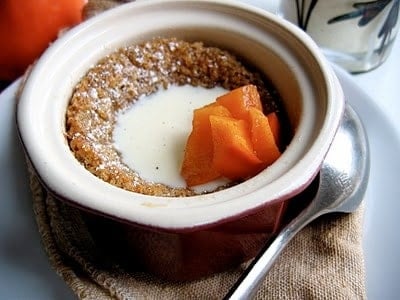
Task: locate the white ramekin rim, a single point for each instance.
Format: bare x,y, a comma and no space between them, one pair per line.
43,138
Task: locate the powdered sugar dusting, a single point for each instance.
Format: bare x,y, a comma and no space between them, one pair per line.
121,78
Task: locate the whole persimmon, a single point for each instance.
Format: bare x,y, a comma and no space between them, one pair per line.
27,27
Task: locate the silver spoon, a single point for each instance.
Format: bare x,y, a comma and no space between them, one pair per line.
342,185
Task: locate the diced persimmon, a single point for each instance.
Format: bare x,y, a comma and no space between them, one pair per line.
275,126
197,167
238,101
232,138
233,157
201,116
262,137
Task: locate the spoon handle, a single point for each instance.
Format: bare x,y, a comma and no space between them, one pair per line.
252,278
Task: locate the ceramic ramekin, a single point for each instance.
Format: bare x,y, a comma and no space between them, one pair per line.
229,224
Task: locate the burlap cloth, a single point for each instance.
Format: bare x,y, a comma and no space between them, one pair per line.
324,261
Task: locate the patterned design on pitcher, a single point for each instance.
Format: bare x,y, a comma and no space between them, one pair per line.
368,11
304,12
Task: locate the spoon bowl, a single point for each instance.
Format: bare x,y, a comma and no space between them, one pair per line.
342,184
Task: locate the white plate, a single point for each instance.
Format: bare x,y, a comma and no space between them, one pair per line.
25,271
381,236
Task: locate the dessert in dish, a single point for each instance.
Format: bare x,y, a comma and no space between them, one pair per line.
143,78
